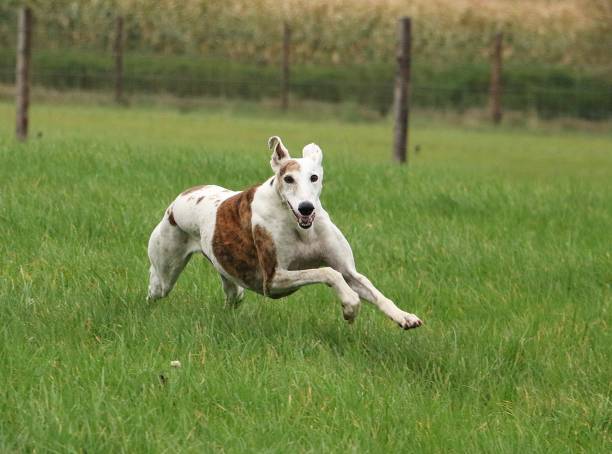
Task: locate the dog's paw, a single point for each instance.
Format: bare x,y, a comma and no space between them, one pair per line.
350,307
151,297
350,311
234,300
408,321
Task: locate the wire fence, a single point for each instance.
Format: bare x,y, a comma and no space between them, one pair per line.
547,90
339,84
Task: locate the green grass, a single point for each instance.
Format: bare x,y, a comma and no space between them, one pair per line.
499,239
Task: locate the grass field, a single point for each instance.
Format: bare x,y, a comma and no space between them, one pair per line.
500,240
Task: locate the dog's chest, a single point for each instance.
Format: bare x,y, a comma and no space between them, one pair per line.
299,252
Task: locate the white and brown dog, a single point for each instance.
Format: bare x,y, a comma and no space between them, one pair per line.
272,238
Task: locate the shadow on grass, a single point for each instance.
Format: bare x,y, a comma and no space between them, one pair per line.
295,332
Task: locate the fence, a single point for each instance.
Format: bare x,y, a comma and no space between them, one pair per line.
549,91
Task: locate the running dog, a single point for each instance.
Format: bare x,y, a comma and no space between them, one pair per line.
272,239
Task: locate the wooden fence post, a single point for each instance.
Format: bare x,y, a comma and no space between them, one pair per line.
22,82
118,54
401,96
495,89
286,52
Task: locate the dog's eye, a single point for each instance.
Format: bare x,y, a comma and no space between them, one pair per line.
288,179
314,178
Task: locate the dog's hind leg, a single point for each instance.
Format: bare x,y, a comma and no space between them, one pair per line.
169,250
233,292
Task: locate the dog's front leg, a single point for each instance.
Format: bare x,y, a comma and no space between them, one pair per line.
368,292
288,280
339,256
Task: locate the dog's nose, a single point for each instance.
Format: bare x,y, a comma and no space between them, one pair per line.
305,208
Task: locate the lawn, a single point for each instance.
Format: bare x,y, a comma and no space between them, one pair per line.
499,239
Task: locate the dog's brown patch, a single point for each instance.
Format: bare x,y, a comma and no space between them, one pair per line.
266,252
190,190
171,218
233,242
289,166
280,150
199,199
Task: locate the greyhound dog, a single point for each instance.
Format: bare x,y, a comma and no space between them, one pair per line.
272,239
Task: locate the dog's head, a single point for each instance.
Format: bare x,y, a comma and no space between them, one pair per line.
298,181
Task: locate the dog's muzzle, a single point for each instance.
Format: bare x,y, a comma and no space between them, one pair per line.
304,221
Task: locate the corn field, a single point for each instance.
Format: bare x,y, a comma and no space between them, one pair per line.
566,32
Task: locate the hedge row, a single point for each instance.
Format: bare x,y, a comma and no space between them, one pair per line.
550,91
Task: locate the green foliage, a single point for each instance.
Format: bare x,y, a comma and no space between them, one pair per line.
556,54
499,239
549,91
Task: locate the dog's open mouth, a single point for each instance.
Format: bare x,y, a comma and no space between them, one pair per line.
304,222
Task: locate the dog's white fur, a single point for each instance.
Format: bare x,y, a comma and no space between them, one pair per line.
308,249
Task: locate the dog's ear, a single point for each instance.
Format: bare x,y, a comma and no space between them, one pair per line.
279,152
312,151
